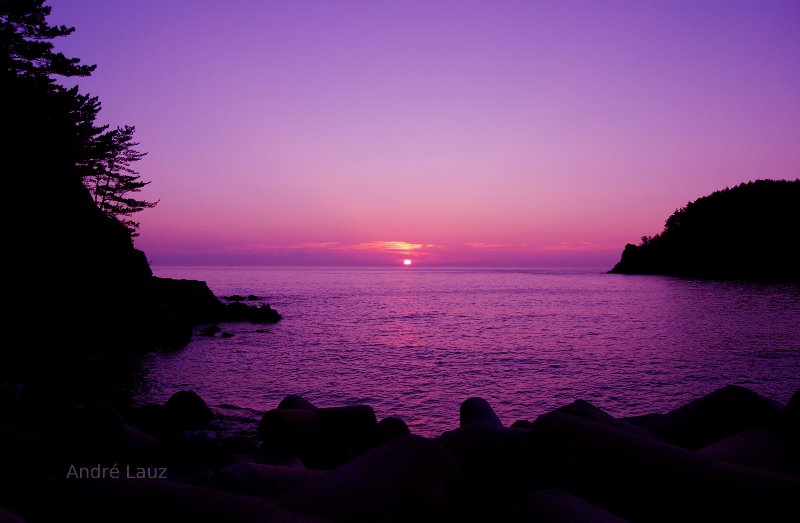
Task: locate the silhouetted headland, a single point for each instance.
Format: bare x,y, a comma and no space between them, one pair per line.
81,287
749,232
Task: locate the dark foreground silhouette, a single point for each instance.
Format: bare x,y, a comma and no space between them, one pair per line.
729,456
750,232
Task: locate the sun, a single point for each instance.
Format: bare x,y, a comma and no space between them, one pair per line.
406,262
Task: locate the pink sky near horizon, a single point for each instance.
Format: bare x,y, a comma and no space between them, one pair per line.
467,133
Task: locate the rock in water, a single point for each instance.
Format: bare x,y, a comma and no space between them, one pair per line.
191,300
238,311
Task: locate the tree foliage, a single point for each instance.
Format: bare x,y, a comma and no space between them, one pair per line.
52,130
113,178
26,38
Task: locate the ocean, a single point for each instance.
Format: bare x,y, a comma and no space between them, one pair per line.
414,342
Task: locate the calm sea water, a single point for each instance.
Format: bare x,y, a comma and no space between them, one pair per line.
415,342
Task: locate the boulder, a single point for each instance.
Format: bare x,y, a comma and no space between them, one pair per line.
791,416
266,481
390,428
351,428
557,506
240,444
713,417
185,456
152,419
238,311
487,459
321,438
478,410
790,427
188,410
752,448
290,431
735,493
138,447
293,401
138,500
584,409
407,479
641,418
191,302
633,476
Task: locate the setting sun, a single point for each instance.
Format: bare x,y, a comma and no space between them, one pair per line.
406,262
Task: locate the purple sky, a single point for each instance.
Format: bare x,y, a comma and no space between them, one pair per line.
488,133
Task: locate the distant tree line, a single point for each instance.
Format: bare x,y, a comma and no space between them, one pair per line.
54,128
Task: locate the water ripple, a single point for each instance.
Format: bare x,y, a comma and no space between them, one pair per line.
415,343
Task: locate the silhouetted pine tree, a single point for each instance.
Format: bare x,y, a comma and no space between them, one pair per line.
51,133
113,178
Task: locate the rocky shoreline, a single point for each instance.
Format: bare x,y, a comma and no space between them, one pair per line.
188,303
730,455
